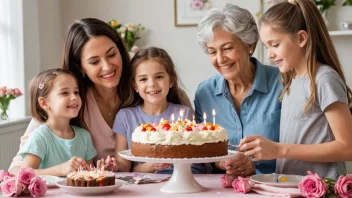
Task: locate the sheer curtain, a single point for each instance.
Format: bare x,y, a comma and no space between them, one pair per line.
11,52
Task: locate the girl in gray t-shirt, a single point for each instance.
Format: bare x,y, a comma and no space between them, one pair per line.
316,124
154,95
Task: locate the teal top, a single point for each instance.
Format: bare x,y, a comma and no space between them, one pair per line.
54,150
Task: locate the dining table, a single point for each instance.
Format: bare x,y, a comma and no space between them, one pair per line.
210,182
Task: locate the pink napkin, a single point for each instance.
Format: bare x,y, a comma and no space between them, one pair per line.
276,191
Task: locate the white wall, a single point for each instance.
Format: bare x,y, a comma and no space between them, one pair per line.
158,17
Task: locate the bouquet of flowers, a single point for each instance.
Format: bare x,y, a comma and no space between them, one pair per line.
25,183
128,32
6,95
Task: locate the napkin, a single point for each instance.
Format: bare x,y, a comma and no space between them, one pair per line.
276,191
140,178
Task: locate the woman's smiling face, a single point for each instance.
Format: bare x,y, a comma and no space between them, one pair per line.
228,54
102,62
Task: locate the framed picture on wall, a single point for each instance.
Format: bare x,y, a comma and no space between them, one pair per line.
189,12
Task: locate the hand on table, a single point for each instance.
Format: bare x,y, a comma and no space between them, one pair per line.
159,166
240,165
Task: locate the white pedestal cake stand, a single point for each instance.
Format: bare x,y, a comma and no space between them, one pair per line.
182,180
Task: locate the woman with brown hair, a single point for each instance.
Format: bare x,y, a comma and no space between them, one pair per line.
97,57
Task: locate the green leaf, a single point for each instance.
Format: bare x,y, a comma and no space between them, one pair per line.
347,3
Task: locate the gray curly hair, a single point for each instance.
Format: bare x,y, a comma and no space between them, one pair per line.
232,19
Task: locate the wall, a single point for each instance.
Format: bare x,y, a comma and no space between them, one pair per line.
158,17
10,134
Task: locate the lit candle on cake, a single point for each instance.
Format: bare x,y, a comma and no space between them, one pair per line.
172,119
161,120
181,114
205,118
213,116
194,119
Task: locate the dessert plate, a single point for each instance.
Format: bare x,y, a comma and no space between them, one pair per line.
272,180
51,180
89,190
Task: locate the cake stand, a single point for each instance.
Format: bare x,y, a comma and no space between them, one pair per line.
182,180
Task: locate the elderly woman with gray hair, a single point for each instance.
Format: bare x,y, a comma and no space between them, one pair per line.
245,92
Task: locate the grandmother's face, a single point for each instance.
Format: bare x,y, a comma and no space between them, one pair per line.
228,54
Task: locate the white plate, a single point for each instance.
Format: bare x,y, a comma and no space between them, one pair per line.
51,180
271,180
90,190
128,155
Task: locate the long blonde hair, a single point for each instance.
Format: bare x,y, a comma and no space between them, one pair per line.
304,15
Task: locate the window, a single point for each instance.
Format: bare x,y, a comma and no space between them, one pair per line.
11,52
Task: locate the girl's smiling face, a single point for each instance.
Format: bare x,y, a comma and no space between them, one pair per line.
285,50
152,82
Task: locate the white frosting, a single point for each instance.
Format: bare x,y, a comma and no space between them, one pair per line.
88,175
172,137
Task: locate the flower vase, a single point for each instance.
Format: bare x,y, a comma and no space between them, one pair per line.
4,115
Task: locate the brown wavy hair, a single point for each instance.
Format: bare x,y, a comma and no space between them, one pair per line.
77,35
46,80
163,58
304,15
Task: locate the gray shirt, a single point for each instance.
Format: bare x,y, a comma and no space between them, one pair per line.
298,128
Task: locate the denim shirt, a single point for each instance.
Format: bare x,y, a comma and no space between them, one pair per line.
259,111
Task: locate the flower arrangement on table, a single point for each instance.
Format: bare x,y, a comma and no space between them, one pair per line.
6,95
25,183
129,33
311,186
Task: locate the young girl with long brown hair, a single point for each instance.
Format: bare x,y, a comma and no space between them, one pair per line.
154,95
316,124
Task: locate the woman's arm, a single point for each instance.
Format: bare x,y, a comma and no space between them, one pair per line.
121,144
340,149
17,160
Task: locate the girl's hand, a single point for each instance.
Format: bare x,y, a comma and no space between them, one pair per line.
109,162
259,148
159,166
72,165
240,165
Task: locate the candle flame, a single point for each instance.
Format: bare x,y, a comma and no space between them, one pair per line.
161,120
181,113
214,112
172,117
204,116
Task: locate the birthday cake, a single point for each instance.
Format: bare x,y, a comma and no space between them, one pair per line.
85,178
95,176
184,139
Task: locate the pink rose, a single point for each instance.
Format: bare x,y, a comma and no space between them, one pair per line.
17,92
241,185
134,49
25,175
312,186
3,89
9,91
226,181
5,175
2,93
11,188
37,187
343,186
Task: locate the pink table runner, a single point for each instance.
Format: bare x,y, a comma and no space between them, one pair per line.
210,181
